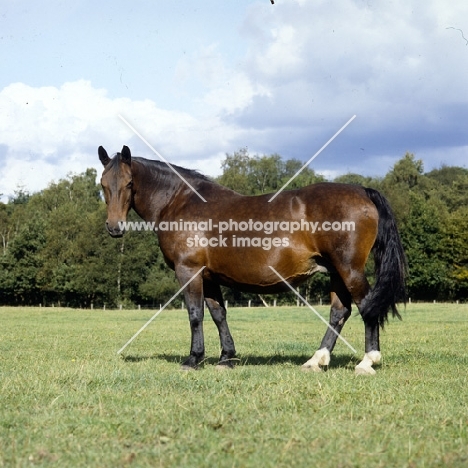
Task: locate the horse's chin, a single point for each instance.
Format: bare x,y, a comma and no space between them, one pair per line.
116,235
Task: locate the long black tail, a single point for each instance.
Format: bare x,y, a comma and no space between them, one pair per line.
390,266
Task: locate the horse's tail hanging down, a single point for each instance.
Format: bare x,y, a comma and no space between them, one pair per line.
389,264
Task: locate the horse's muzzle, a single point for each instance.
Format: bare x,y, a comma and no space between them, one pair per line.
114,231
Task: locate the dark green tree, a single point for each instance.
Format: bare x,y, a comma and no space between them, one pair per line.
236,171
21,264
422,236
455,251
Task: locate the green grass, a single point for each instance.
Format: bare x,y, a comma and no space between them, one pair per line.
67,399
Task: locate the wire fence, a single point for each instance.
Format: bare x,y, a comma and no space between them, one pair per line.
229,304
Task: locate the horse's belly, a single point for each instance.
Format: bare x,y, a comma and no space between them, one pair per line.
255,271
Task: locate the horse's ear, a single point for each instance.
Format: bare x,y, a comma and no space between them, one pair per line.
126,155
103,156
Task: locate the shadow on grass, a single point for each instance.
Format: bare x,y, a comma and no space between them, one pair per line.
337,361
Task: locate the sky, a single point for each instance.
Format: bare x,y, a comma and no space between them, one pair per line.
202,79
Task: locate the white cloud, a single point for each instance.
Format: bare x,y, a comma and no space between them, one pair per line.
397,65
401,66
47,132
221,87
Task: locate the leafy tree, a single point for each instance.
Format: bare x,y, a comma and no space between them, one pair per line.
21,264
159,286
407,171
357,179
422,236
455,251
65,207
451,184
265,173
307,176
253,175
5,227
235,171
447,175
404,178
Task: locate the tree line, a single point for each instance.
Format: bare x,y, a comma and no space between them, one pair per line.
55,249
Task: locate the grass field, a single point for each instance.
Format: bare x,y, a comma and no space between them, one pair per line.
67,399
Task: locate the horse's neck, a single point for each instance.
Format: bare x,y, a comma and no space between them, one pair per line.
153,193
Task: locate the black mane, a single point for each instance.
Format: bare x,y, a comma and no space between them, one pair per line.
163,169
160,169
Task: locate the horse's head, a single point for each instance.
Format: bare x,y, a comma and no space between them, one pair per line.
116,183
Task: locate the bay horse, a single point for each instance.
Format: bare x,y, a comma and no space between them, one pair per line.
244,242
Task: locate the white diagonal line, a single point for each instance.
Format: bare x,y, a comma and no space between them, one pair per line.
312,158
314,311
158,154
160,310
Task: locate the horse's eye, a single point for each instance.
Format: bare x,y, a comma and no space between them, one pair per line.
130,184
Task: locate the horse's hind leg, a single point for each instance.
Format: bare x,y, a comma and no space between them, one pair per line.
214,301
339,313
372,355
356,282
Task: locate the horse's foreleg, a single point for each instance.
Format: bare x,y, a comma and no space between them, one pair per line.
214,301
193,294
339,313
372,355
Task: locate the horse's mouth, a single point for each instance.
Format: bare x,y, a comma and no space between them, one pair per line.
114,231
116,235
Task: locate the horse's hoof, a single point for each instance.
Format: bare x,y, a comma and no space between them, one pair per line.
321,357
364,370
311,368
